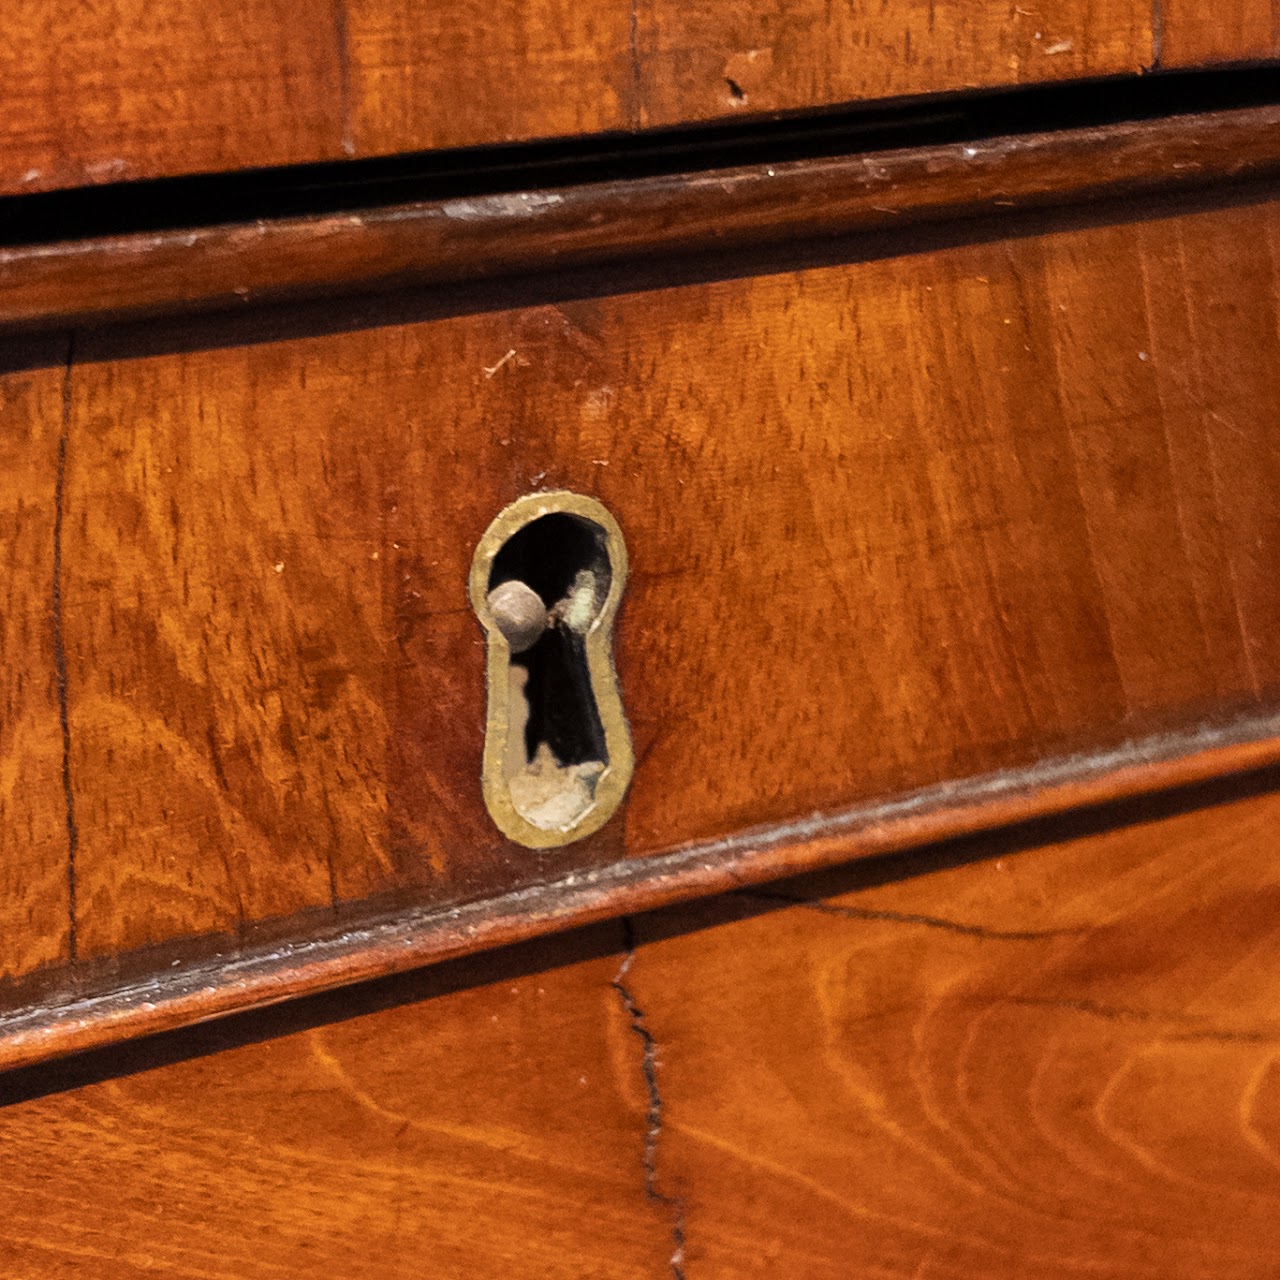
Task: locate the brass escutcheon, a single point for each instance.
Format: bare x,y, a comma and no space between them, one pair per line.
546,582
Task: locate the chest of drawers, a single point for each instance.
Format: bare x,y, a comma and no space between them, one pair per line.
927,361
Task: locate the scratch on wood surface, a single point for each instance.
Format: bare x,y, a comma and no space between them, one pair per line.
1157,34
60,652
490,369
344,74
653,1113
637,79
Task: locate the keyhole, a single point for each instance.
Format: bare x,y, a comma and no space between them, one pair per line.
546,582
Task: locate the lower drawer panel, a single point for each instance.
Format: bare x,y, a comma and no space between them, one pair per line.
893,522
1053,1061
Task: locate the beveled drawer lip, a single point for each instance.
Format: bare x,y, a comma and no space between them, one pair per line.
256,979
143,275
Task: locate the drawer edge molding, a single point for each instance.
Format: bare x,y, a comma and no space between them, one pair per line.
456,241
255,979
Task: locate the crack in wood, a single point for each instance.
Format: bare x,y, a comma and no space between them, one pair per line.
654,1111
909,917
1189,1027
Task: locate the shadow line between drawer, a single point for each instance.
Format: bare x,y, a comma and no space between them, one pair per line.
465,239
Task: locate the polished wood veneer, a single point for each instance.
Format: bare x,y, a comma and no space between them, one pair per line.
129,90
941,431
1191,33
1048,1052
852,580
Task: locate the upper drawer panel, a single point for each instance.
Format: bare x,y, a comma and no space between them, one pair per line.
124,89
897,522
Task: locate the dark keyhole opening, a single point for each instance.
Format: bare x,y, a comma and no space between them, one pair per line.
564,559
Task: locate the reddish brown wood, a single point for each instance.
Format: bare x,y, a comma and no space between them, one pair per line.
484,1131
716,58
932,534
1049,1057
1192,33
34,875
89,281
1053,1062
269,717
130,89
123,90
263,976
895,524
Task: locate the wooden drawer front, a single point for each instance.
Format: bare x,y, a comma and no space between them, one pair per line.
131,90
893,523
1055,1061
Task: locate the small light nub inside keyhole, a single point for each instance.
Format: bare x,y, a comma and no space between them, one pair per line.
547,586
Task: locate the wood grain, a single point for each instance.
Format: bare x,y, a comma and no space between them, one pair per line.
35,914
460,240
1053,1062
122,89
551,68
899,522
1196,34
500,1134
128,90
716,59
268,720
1050,1053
